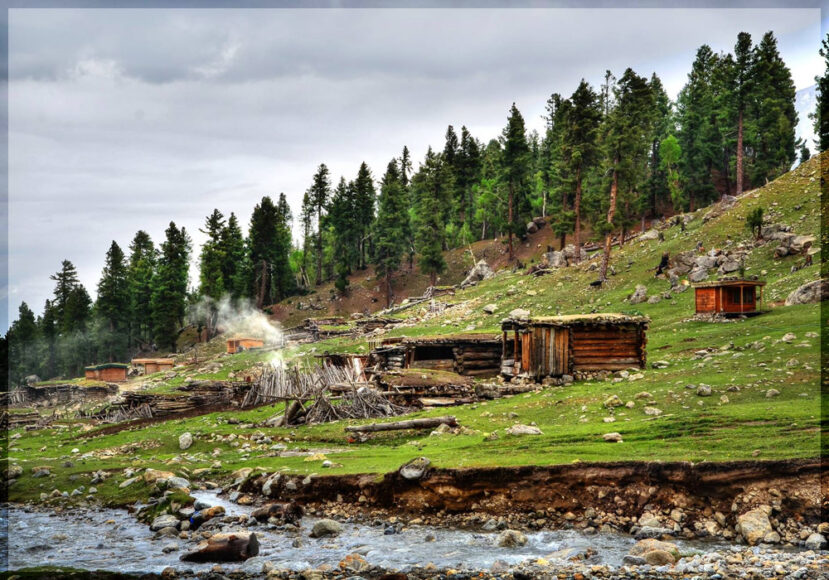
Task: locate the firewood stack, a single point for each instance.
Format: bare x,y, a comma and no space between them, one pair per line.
477,361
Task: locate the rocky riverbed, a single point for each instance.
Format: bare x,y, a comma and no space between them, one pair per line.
355,547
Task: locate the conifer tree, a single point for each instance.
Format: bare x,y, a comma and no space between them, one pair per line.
431,184
270,247
234,265
22,341
140,273
169,297
467,174
364,200
212,258
284,282
342,217
113,307
820,117
392,219
515,174
743,85
66,280
661,125
318,193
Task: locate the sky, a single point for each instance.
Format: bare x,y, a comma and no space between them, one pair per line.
121,120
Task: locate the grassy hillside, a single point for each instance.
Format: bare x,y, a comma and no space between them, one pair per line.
742,362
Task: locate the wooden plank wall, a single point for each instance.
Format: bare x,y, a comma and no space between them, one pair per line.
706,299
606,347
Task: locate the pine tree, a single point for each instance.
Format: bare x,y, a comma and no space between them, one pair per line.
579,147
661,124
364,200
820,117
392,219
431,184
318,193
234,265
284,284
774,115
140,273
405,166
743,85
342,217
66,280
467,174
515,166
113,307
307,219
22,339
169,297
555,168
212,283
48,330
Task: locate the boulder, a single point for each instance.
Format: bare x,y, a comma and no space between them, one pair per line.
815,541
728,266
203,515
698,275
639,295
612,437
654,300
270,484
185,440
556,259
532,227
658,558
652,411
415,469
703,391
511,539
613,401
153,475
324,528
570,253
490,308
231,547
164,521
649,235
177,482
684,261
520,314
13,472
642,547
754,525
286,512
524,430
809,293
481,271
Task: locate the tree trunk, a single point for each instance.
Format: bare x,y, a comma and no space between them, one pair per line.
739,190
388,289
562,241
433,279
610,213
260,297
511,252
234,547
577,209
319,256
427,423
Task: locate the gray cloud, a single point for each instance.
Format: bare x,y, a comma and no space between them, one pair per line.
122,120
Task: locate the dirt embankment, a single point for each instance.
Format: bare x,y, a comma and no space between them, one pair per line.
622,490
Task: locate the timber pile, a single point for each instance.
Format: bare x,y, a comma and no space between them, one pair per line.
389,357
195,395
68,392
15,420
427,423
415,387
367,325
476,360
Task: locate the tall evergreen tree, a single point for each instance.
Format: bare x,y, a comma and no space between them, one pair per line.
113,307
169,295
283,277
467,174
234,265
661,125
66,280
392,219
22,338
820,117
515,174
211,279
140,273
364,200
270,247
579,148
431,184
743,85
318,193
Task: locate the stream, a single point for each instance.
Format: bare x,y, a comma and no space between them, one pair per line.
110,539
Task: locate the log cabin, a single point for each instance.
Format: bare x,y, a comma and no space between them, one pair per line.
729,297
553,346
473,354
154,365
241,344
111,372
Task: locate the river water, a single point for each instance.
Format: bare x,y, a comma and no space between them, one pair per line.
113,540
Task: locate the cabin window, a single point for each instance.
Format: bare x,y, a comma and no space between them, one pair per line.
748,295
433,353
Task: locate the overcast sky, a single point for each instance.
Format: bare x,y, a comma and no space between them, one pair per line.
121,120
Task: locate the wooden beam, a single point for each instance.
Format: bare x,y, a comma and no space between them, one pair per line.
428,423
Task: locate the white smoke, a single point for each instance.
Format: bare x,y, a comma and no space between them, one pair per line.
236,319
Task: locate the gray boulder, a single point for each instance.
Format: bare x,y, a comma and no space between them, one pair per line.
164,521
556,259
481,271
324,528
698,275
639,295
415,469
511,539
816,541
570,253
649,235
754,525
809,293
185,440
532,227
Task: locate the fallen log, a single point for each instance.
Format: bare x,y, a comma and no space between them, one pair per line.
428,423
225,548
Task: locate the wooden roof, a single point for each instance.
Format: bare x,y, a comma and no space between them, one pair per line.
452,338
575,319
732,282
158,361
237,338
111,365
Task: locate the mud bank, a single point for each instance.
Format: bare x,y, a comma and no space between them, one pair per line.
699,500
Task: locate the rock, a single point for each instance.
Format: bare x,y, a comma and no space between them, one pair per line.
520,314
152,475
230,547
524,430
511,539
354,563
660,364
771,538
41,471
613,401
652,532
649,235
490,308
269,486
754,525
128,482
324,528
481,271
612,437
643,395
185,440
639,294
698,275
164,521
809,293
789,337
415,469
652,411
815,541
654,300
642,547
13,472
728,266
570,253
772,393
658,558
177,482
556,259
633,560
703,391
532,228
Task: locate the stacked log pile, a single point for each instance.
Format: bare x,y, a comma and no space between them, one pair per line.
413,387
195,395
476,360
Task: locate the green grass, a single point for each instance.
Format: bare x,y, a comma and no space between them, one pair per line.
748,358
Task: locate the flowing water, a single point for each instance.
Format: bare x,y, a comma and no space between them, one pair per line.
113,540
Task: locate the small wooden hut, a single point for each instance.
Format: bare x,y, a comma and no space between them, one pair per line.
241,344
111,372
552,346
729,297
154,365
473,354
